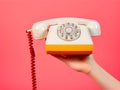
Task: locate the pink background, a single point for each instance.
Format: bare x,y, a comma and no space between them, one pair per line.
16,16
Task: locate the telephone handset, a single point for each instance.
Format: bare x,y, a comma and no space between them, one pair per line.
71,36
67,35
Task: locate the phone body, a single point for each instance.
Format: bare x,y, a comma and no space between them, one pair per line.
67,36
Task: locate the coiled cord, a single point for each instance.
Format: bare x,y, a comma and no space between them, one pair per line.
33,69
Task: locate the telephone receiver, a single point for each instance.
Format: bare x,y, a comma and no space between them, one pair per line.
69,36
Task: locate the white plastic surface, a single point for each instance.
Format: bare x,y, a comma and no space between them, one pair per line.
53,39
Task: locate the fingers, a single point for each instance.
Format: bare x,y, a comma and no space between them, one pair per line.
71,56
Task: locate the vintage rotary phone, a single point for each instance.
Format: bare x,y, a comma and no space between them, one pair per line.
64,36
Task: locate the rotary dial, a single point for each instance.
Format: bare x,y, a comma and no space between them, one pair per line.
68,31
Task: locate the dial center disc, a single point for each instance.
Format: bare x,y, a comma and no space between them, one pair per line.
68,30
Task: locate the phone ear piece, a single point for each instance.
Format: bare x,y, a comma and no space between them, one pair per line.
94,28
39,31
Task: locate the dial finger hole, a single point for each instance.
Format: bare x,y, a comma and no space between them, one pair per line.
72,24
71,37
66,37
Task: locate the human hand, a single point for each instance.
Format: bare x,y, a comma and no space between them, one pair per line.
81,63
87,64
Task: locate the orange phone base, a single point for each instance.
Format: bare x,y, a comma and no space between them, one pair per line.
69,49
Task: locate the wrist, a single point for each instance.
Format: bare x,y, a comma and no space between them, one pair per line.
93,67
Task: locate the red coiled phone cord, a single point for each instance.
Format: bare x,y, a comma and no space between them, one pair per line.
33,69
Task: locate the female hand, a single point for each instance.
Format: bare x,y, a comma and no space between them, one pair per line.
87,64
82,63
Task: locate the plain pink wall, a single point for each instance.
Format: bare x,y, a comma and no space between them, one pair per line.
16,16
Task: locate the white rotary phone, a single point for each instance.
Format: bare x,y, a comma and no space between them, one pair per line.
64,36
69,36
